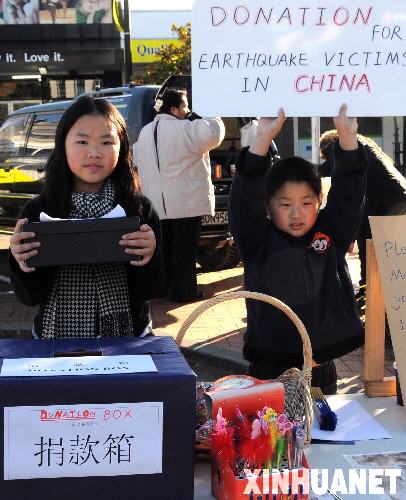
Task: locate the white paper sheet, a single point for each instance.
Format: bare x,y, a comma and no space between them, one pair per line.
354,423
82,440
117,211
77,365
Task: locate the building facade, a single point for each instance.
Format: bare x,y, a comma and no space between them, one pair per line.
55,50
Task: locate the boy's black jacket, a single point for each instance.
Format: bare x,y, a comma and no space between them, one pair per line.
309,274
144,282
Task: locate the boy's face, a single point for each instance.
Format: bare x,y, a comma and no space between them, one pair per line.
294,208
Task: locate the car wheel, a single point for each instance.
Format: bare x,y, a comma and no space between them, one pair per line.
216,259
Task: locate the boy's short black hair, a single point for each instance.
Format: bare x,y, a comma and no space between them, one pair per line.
292,169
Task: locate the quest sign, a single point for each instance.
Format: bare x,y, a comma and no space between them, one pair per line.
309,57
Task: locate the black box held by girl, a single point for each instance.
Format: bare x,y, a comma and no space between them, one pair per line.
87,241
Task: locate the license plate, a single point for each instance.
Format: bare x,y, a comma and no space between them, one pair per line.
217,218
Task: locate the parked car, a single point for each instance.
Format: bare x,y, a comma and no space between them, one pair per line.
27,139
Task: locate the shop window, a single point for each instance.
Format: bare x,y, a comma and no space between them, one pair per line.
12,137
41,140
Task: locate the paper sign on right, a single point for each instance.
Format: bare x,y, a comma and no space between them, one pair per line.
389,237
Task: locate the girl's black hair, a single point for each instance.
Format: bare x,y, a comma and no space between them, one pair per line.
171,97
58,186
292,169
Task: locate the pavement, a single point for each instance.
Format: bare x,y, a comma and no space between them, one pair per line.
215,337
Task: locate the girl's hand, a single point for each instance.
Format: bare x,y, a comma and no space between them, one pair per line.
23,251
347,129
141,243
268,129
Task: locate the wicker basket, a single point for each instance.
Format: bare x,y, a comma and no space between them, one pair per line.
298,400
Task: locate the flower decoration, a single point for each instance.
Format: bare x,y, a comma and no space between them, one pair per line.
158,105
284,424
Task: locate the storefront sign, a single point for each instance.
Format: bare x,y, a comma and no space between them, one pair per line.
83,440
307,57
389,237
14,61
147,51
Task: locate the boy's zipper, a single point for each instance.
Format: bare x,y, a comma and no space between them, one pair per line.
157,159
307,289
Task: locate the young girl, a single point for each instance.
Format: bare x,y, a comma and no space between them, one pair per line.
89,173
297,254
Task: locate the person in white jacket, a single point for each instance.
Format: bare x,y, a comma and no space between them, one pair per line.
172,157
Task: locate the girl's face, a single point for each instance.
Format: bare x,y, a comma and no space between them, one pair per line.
92,148
294,208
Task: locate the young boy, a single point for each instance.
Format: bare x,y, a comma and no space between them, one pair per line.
296,253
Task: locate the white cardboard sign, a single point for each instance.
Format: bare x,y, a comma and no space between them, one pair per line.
389,237
250,57
82,440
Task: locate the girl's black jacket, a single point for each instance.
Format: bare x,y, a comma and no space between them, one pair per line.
309,273
144,283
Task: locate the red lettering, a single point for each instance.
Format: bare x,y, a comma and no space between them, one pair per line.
363,81
107,415
344,79
285,15
332,78
361,14
298,83
236,17
314,82
261,12
331,83
216,21
337,13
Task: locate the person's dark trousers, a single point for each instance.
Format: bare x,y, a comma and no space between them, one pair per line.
180,239
323,375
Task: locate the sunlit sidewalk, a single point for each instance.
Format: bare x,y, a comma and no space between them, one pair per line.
217,334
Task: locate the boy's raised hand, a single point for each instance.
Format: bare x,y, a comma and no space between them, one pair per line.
347,129
268,129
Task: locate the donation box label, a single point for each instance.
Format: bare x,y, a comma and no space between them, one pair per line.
82,440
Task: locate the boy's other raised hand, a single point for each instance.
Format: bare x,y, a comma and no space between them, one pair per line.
347,129
268,129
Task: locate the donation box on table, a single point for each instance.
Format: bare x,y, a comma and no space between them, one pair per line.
125,434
